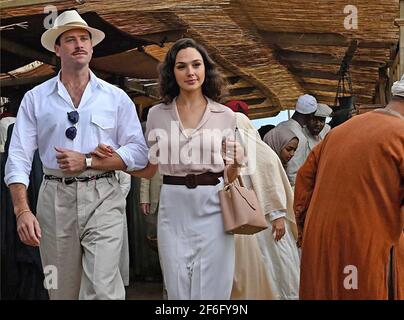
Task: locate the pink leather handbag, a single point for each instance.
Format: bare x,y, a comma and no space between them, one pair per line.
241,211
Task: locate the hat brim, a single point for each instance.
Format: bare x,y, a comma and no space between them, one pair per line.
49,36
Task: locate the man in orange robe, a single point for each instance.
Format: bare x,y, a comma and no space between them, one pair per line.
349,207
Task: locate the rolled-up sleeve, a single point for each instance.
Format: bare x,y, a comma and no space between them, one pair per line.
23,144
133,149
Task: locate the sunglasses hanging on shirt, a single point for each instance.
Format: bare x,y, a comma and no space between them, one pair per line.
73,117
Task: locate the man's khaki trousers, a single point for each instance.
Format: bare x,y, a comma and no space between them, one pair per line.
82,230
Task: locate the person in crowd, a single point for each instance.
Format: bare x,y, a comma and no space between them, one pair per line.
284,142
22,275
316,128
149,203
306,106
349,208
79,222
263,130
191,139
124,180
251,280
264,173
150,194
7,118
238,106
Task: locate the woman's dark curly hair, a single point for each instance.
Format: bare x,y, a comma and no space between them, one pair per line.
213,86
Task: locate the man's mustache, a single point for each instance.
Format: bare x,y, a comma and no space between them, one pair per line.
80,51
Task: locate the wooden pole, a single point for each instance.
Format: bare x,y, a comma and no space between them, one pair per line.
400,23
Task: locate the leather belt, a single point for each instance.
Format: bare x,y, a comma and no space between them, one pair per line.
70,180
194,180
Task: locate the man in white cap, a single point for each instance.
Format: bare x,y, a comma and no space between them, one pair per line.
306,106
316,128
80,206
349,207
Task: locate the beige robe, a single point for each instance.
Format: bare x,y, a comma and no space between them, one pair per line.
280,261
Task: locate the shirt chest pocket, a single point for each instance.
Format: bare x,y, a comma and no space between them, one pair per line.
103,122
103,127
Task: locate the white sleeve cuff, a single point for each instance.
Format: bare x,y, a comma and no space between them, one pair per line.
276,215
137,162
17,179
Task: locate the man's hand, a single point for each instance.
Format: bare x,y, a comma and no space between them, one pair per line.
69,161
278,228
145,207
28,229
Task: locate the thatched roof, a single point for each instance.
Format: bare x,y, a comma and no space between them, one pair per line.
271,52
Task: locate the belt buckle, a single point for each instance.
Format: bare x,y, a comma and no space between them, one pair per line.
69,180
191,181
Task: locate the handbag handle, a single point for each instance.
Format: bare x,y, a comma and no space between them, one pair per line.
226,178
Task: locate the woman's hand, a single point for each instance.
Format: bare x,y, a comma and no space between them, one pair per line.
233,156
232,152
103,151
278,228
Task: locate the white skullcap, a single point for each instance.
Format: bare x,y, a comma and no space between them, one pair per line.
306,104
398,88
323,110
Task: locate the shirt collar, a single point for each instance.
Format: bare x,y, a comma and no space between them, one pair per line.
212,105
57,83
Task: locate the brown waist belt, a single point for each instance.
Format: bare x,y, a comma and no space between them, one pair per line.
194,180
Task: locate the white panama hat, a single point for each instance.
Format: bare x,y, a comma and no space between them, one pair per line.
66,21
323,110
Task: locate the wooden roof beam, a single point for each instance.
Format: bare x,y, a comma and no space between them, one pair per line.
317,39
330,100
254,101
331,88
262,112
24,51
309,73
23,81
160,38
300,38
23,3
241,91
321,58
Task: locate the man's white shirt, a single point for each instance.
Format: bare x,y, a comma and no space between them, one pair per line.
106,115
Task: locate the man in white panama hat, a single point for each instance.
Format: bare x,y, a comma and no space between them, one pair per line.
79,222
